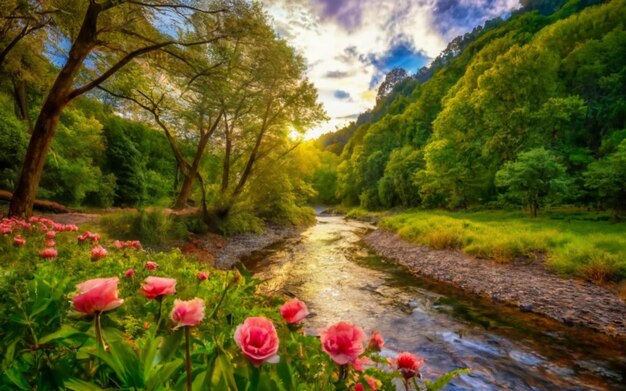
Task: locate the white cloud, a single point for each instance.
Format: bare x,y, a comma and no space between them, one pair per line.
338,39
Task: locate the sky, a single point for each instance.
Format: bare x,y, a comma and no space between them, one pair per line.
350,45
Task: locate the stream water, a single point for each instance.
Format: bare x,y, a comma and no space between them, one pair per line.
329,268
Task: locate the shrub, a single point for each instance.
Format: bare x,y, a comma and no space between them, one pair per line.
150,227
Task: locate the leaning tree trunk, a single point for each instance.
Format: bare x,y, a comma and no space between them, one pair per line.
21,204
24,196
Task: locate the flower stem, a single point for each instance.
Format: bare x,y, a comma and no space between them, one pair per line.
188,357
160,300
98,327
406,385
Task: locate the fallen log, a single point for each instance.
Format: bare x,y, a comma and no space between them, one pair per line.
41,205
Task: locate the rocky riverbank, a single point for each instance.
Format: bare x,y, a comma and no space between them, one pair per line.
224,253
528,286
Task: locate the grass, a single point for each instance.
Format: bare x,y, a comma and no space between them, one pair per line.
576,243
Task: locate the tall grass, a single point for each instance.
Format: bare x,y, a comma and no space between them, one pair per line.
581,244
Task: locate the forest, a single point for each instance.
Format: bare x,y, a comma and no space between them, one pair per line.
530,111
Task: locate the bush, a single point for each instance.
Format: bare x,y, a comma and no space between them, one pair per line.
152,228
239,222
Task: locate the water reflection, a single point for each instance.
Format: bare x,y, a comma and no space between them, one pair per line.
329,268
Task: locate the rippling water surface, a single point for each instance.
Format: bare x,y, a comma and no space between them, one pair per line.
340,279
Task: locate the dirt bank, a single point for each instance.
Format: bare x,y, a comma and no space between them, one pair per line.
530,287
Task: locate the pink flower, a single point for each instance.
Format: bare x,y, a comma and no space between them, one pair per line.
409,364
33,219
188,313
203,276
294,311
376,342
135,244
81,238
129,273
97,295
343,342
50,235
118,244
98,252
50,243
359,362
43,228
19,241
48,253
151,265
258,340
154,287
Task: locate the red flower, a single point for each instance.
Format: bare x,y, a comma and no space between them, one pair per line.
19,241
48,253
409,364
294,311
51,235
257,339
151,265
343,342
376,342
203,276
154,287
97,295
129,273
98,252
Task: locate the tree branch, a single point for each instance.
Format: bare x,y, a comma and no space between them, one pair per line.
128,58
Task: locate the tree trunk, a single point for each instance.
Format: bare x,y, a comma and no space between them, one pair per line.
226,164
185,190
21,204
20,96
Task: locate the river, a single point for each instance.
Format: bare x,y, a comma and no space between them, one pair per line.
339,278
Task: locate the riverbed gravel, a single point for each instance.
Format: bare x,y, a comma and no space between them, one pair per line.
528,286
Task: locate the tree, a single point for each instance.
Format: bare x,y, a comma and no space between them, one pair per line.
111,34
394,77
607,177
535,178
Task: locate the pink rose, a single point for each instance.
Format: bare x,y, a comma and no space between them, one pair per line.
188,313
48,253
129,273
294,311
258,340
409,364
51,235
43,228
97,295
50,243
202,276
19,241
151,265
343,342
154,287
98,252
118,244
376,342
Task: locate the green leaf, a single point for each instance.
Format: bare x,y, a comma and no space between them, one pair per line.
64,332
80,385
443,381
161,374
